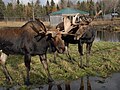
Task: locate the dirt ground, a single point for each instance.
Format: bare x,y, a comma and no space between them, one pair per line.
107,25
105,22
15,23
11,24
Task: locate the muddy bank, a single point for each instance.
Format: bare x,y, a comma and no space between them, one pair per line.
107,25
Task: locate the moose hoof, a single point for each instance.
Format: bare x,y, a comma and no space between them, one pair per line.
28,83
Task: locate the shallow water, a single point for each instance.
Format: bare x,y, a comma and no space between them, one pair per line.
85,83
88,83
107,36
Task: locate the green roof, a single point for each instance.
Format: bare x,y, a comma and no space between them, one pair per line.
68,11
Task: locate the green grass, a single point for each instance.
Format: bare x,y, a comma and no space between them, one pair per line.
104,60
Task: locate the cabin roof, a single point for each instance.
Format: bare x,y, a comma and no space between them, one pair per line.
68,11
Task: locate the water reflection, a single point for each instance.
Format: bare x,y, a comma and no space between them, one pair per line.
67,86
88,83
107,36
52,87
84,83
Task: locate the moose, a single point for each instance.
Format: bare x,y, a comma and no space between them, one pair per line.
78,33
29,40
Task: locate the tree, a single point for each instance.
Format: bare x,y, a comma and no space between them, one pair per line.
9,10
37,8
78,5
98,6
19,8
14,2
108,6
52,3
47,7
91,8
53,7
83,6
58,7
2,7
70,4
118,7
62,4
28,10
18,2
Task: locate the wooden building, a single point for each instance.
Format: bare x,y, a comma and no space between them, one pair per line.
57,17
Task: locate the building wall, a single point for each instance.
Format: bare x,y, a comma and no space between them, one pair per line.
56,19
107,16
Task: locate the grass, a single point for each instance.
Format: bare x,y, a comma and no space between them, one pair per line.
11,23
104,60
16,23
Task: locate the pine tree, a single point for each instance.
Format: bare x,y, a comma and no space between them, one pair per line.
68,3
2,7
37,8
18,2
78,5
52,3
118,7
53,8
47,7
62,4
29,11
19,11
9,10
83,6
47,4
91,7
58,7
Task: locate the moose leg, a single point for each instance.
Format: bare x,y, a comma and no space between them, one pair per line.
67,51
27,60
6,73
3,59
55,55
80,49
43,60
88,49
